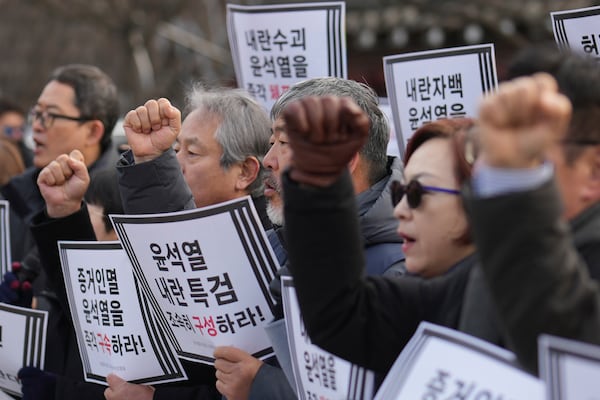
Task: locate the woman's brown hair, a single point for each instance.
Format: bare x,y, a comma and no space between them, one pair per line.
11,161
458,131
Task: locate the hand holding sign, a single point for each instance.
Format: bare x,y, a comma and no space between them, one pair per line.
120,389
236,370
325,134
520,120
63,183
151,129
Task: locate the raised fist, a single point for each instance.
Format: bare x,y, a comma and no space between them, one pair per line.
521,120
63,184
325,133
151,129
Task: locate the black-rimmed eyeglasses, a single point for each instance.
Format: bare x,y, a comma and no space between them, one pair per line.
47,118
414,192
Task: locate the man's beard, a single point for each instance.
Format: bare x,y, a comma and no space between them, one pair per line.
275,214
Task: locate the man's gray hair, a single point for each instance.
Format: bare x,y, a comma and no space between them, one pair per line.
244,128
375,149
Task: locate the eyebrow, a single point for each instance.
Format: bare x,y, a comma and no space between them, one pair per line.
422,174
189,140
279,129
49,106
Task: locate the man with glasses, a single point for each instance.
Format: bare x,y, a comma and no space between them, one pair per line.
575,163
77,109
12,126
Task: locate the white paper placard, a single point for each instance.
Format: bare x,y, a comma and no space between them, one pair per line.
4,396
207,274
22,343
114,329
392,148
5,256
275,46
571,369
429,85
578,30
441,363
318,373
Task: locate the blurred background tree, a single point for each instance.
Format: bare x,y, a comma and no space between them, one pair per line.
155,48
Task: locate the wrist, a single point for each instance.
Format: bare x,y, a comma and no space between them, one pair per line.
142,159
511,162
63,210
312,179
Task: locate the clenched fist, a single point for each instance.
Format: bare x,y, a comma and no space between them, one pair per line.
325,133
63,184
521,120
151,129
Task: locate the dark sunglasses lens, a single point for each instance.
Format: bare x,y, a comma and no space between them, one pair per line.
397,190
414,192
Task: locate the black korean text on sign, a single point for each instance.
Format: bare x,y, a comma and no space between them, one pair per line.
98,281
423,89
193,260
590,45
114,344
228,322
265,40
103,312
443,386
320,369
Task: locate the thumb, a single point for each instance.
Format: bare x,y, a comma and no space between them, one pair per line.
229,353
76,155
76,162
170,113
114,380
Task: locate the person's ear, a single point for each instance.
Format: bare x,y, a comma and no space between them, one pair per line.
593,185
95,132
249,170
353,164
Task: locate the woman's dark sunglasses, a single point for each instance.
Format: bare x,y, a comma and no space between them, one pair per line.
414,192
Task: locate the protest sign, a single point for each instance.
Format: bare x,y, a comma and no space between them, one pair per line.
441,363
571,369
114,329
578,30
318,373
5,256
429,85
392,147
275,46
22,343
206,273
4,396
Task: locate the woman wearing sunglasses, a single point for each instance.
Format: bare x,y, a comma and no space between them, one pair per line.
433,224
368,320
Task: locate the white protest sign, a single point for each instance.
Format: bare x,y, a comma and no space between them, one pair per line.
318,373
207,274
578,30
4,396
429,85
22,343
5,256
275,46
114,330
392,148
441,363
570,369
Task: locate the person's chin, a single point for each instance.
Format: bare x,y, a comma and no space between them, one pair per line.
275,214
40,162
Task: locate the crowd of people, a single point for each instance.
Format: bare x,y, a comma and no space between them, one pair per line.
490,225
